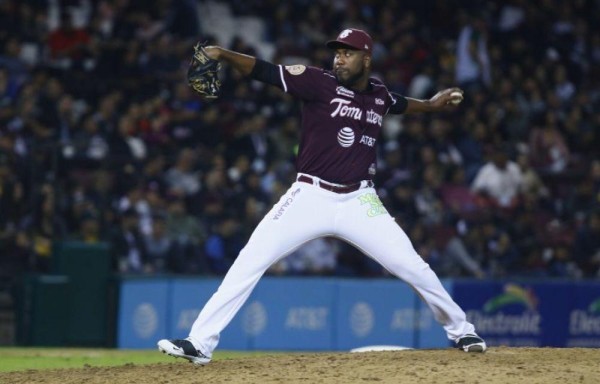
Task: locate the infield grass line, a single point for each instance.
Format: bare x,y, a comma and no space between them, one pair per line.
24,358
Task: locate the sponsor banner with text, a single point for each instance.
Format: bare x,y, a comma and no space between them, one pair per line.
375,312
291,314
583,327
515,313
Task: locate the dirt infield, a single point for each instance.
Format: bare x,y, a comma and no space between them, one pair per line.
498,365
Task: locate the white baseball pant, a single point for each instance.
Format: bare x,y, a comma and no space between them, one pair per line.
306,212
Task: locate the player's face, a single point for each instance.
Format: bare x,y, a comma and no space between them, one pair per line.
350,66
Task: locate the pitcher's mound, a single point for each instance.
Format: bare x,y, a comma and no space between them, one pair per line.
498,365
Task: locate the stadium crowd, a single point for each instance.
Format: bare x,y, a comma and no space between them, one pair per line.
101,139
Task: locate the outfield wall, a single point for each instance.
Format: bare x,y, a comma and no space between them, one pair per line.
340,314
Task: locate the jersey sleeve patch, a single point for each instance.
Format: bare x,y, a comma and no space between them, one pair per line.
295,69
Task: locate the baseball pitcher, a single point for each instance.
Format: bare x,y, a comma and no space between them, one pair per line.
333,195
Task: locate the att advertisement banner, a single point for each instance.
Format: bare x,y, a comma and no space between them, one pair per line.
143,312
375,313
291,313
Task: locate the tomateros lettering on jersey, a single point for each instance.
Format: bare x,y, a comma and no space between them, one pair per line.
374,118
344,110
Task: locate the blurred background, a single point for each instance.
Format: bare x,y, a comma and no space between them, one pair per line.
111,168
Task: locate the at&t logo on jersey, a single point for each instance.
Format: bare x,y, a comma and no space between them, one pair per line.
368,140
343,110
345,137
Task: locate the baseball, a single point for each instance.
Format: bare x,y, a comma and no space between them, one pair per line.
456,98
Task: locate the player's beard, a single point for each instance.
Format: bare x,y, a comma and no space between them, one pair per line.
351,81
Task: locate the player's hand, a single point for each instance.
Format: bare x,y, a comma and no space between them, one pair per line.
212,51
447,99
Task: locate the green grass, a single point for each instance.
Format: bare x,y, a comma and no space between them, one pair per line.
19,359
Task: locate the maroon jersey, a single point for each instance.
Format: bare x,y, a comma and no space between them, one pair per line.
340,127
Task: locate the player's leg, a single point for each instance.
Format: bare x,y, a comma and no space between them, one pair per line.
365,223
302,214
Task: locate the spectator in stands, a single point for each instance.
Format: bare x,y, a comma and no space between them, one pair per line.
473,65
188,234
532,187
127,148
560,263
586,247
427,196
223,245
41,230
68,45
128,249
10,59
317,258
253,141
8,95
499,181
124,126
12,202
89,230
502,258
549,151
159,245
183,178
90,145
13,257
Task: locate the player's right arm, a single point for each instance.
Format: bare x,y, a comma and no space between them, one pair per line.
297,80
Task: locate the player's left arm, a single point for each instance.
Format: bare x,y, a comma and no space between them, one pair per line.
301,82
442,101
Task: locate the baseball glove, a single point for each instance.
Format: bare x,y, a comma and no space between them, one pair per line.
203,74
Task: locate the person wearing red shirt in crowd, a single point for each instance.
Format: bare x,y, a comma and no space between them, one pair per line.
67,41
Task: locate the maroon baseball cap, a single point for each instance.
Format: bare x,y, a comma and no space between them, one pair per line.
354,39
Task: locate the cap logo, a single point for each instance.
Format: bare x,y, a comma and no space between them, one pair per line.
345,33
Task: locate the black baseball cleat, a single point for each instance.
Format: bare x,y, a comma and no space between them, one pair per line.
471,343
183,348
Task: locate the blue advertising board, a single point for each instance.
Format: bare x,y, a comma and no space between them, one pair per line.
428,332
515,313
337,314
143,312
583,326
188,296
282,314
291,313
374,312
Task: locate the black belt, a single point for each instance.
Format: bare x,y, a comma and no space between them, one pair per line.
331,187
